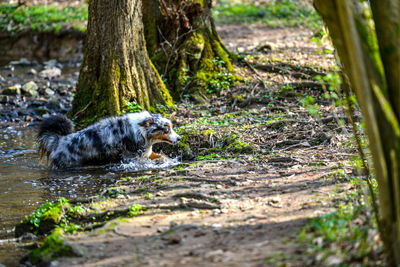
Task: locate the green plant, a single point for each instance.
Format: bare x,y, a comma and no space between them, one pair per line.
135,210
133,107
114,192
345,234
149,196
47,211
222,80
208,157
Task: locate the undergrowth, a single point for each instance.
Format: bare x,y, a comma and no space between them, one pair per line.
348,236
42,18
275,13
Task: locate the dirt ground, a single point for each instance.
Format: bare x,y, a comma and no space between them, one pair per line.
247,209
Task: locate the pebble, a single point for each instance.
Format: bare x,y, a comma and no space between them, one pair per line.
30,89
32,72
50,73
12,90
49,92
4,99
44,91
23,62
55,105
276,200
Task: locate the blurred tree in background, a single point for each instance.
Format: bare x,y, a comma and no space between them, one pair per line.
366,36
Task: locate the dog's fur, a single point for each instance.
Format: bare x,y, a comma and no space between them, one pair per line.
103,142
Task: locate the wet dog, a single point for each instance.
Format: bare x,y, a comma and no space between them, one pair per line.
104,142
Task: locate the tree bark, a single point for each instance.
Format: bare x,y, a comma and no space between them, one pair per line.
373,71
183,44
116,68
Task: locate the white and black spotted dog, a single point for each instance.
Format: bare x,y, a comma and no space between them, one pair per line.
103,142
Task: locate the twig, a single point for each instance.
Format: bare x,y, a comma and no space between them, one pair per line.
256,72
82,110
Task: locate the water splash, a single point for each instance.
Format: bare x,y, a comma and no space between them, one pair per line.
144,164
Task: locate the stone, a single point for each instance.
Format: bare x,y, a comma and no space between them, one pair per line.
28,118
30,89
55,105
12,90
266,47
32,72
4,99
50,63
50,73
49,92
37,103
334,260
23,62
42,111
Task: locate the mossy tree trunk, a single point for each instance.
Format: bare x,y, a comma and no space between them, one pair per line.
116,68
366,36
185,48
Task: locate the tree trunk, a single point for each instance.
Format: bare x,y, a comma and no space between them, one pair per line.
374,72
116,68
187,51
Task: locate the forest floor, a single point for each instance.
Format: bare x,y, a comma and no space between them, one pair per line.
246,204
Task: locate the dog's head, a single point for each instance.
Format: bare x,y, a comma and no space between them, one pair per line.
159,129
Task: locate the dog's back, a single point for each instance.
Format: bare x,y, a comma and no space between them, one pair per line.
50,131
106,141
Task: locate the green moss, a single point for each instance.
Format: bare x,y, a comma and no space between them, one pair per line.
221,53
53,247
50,215
201,2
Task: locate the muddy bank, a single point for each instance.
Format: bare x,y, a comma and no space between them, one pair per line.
63,45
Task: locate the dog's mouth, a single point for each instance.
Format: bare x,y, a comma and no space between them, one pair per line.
172,140
168,141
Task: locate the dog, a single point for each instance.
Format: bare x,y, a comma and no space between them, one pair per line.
103,142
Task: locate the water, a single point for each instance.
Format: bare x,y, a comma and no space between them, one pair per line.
24,185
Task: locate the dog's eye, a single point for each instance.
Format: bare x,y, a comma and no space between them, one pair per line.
166,130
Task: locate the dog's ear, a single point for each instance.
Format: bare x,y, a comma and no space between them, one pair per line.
147,122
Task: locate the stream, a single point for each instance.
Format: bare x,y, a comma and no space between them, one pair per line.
24,185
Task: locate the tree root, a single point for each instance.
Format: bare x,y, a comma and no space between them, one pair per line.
285,68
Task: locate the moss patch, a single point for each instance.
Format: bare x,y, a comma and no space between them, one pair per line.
200,145
54,246
49,215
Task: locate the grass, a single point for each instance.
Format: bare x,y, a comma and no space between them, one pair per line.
346,236
50,18
42,18
276,13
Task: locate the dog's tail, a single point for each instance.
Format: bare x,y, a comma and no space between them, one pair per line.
49,133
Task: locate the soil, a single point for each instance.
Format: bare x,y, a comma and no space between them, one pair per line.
237,209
